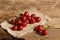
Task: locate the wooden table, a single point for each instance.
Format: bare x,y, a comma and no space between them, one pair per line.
48,7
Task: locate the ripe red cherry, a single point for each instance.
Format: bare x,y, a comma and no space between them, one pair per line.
26,14
24,18
33,15
31,21
44,32
27,21
14,27
20,28
24,24
37,19
12,21
39,28
17,22
29,17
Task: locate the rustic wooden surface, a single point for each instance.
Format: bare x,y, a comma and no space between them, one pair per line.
9,8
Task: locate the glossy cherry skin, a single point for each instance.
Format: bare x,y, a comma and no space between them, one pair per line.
39,28
24,24
37,19
31,21
12,21
33,15
27,21
14,27
17,22
20,28
29,17
24,18
44,32
26,14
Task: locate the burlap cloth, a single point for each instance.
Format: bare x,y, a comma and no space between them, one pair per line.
9,8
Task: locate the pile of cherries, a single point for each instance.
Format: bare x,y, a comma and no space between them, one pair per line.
25,19
41,30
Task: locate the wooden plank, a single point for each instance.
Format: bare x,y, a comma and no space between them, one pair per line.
45,6
55,22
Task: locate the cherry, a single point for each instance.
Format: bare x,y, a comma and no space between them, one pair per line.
24,24
44,32
26,14
12,21
33,15
39,28
27,21
29,17
17,22
31,21
24,18
14,27
37,19
20,28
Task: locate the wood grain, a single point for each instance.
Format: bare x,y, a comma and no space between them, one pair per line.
9,8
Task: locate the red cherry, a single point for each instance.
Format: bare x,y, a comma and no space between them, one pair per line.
24,18
37,19
24,24
14,27
20,28
33,15
31,21
39,28
29,17
27,21
12,21
44,32
26,14
17,22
